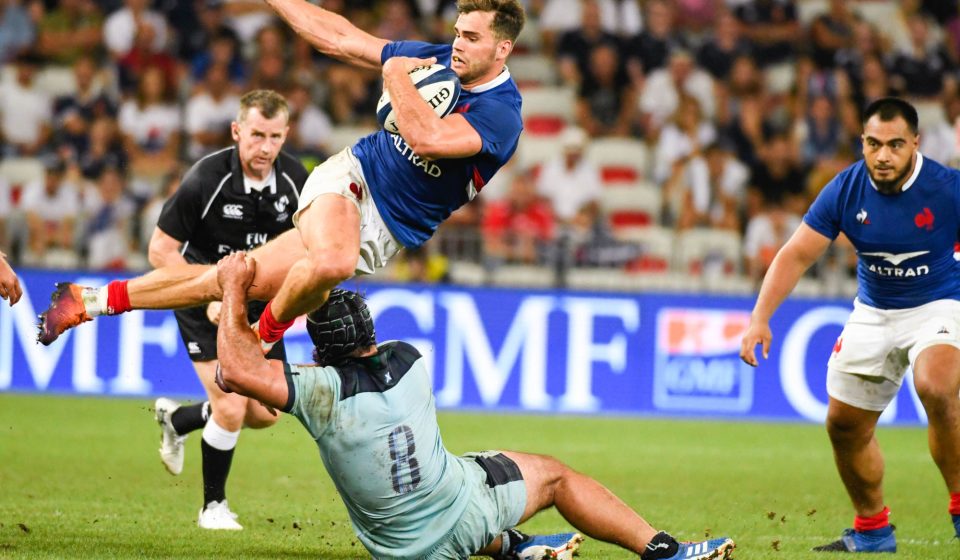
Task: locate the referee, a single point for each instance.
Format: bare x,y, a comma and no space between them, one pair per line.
235,199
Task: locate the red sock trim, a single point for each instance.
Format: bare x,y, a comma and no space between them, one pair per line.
272,330
955,503
878,521
118,300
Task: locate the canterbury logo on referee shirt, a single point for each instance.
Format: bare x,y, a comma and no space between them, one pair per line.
233,211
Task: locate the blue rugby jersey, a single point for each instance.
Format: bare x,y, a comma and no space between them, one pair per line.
904,241
414,195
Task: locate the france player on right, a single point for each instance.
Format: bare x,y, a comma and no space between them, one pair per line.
902,214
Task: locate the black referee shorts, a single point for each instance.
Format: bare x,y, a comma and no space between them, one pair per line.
200,335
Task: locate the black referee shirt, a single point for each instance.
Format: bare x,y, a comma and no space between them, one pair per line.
213,214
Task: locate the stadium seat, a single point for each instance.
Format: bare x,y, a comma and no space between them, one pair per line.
657,244
709,252
20,171
780,78
343,136
533,70
808,10
621,160
523,275
879,14
631,204
929,113
534,150
57,81
547,110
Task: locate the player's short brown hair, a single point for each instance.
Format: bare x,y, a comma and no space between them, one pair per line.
508,18
267,101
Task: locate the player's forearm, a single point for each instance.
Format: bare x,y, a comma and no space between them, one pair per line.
330,33
781,278
237,347
417,122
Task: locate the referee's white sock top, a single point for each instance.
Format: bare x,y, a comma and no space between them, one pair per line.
219,437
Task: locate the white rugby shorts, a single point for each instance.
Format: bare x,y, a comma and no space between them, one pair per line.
341,174
876,346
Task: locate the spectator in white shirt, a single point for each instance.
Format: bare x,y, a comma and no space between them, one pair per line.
310,127
26,111
210,111
569,181
766,233
120,28
663,88
108,241
50,206
150,125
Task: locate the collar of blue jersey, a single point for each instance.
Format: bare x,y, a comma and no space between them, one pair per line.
502,77
913,176
237,178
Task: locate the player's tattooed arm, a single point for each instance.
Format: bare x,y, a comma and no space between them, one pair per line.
243,368
331,33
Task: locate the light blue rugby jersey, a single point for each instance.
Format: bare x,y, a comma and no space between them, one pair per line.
904,241
414,195
375,423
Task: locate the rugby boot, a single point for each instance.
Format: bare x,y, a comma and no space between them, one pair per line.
171,443
67,310
562,546
877,540
713,549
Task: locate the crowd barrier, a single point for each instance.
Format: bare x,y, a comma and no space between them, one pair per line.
497,349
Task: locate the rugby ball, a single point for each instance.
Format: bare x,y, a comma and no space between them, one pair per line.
438,85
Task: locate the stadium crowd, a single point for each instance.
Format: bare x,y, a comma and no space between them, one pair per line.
672,143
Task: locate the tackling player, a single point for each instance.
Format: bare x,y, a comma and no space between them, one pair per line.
234,199
371,411
902,214
363,204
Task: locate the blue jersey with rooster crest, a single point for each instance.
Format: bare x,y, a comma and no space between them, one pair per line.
904,241
414,195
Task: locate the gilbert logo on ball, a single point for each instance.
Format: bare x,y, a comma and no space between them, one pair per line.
438,85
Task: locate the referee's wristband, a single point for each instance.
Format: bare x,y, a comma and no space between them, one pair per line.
269,328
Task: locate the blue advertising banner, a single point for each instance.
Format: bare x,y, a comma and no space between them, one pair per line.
540,351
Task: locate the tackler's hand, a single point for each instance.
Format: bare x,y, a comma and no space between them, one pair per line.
235,272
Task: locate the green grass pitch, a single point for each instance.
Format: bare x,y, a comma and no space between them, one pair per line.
81,478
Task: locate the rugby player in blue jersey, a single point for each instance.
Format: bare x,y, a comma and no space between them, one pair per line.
364,204
901,211
371,411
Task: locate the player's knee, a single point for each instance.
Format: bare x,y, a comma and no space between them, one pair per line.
934,395
259,420
844,429
332,269
230,410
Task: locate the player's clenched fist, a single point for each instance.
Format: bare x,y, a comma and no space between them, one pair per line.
236,271
757,333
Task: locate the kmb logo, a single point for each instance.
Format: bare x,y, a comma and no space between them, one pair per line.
697,363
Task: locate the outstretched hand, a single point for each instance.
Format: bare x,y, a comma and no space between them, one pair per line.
756,334
235,272
9,284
